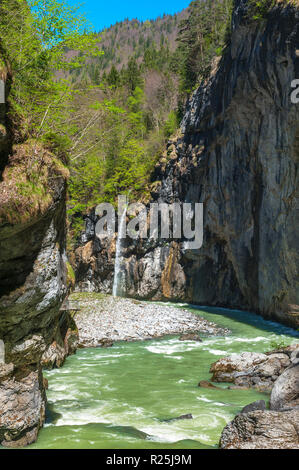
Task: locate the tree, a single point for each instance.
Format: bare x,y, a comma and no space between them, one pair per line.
201,37
132,75
113,78
35,36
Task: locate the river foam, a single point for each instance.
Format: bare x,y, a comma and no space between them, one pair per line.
129,396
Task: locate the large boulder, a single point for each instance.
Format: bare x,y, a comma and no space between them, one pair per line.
248,369
285,392
262,430
23,403
257,405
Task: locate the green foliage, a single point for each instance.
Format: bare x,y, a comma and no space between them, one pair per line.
171,124
259,9
113,77
123,156
35,36
59,144
277,345
158,59
71,277
145,107
60,27
111,118
129,171
132,75
127,136
202,36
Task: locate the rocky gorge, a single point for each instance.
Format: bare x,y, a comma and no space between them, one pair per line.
237,153
34,280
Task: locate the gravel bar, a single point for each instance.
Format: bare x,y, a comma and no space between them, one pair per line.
102,319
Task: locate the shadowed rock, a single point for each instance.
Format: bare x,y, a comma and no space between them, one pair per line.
206,384
257,405
187,416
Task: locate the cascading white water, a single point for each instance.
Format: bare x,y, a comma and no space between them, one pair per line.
118,275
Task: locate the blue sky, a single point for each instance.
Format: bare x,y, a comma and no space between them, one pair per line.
104,13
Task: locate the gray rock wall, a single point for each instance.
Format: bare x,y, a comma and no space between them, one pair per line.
33,283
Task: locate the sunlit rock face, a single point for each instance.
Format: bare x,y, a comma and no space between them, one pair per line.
237,153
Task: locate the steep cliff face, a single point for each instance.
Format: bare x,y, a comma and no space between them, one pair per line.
33,283
238,154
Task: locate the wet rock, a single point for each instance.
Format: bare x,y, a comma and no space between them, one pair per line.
288,350
257,405
262,430
33,281
51,415
65,342
274,365
188,416
106,343
6,371
179,418
285,392
46,383
191,337
206,384
228,369
29,350
54,356
254,427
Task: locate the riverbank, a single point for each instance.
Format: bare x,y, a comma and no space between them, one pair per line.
103,320
129,396
256,427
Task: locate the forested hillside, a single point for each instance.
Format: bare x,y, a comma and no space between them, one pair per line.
134,96
133,38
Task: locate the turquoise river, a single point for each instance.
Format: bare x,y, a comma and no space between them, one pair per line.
124,397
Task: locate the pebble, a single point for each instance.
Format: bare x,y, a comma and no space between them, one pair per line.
121,319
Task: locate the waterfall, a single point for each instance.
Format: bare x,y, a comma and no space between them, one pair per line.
118,283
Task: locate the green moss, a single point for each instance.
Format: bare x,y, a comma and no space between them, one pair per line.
29,182
259,9
87,296
71,277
